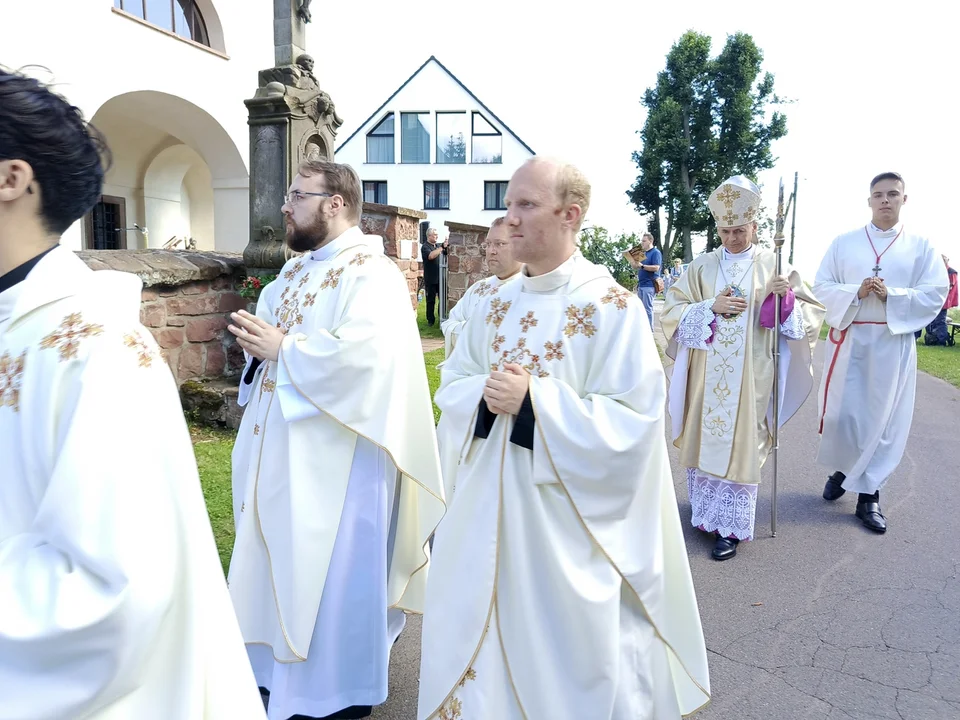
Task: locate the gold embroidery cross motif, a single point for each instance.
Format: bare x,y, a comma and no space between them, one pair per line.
579,320
360,259
498,311
728,195
136,342
11,375
730,216
616,295
554,351
332,279
528,321
292,272
66,339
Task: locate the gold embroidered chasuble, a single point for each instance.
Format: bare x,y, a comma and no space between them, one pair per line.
560,586
462,311
721,423
350,369
113,602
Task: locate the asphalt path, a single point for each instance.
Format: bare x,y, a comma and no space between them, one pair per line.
827,620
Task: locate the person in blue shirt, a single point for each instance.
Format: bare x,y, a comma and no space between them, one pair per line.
647,274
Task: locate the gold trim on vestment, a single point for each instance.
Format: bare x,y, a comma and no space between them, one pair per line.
423,548
263,538
506,661
603,550
493,595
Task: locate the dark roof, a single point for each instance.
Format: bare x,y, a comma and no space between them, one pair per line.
490,112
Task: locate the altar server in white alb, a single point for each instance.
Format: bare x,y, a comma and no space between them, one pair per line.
880,283
113,603
504,268
718,319
560,586
336,476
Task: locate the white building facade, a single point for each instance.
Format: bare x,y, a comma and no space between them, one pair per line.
434,146
164,80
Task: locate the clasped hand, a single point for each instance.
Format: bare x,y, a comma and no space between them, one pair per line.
504,391
258,338
873,285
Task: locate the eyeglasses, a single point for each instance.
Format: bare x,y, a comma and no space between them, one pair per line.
497,246
292,198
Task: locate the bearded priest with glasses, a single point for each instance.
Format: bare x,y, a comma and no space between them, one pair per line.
718,319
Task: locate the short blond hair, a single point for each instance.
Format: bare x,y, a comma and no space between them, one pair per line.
573,188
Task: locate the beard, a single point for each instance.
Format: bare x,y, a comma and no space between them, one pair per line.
304,238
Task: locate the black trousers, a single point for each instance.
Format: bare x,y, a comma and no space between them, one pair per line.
433,290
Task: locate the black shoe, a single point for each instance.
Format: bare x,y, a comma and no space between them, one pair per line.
355,712
869,513
834,487
725,548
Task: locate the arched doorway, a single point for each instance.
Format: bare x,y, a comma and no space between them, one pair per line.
176,174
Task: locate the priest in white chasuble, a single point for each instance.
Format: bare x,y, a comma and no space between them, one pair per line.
880,284
113,603
336,475
718,319
560,586
505,269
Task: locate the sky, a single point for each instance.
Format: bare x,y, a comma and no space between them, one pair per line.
875,86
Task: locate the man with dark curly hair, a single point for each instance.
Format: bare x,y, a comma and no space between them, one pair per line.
113,600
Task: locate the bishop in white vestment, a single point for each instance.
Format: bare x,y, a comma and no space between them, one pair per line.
505,269
113,604
718,319
880,283
560,586
336,475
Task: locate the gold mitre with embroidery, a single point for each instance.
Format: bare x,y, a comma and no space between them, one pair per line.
735,202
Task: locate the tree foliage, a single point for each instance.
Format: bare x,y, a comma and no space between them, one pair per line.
598,247
707,119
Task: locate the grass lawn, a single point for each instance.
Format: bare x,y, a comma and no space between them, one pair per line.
425,330
213,448
431,360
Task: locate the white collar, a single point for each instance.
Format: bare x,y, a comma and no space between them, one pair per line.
895,230
745,255
348,238
553,280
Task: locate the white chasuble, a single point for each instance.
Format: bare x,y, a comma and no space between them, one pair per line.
336,481
114,604
870,367
560,586
461,312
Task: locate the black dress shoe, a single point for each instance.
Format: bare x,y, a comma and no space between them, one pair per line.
869,513
725,548
834,487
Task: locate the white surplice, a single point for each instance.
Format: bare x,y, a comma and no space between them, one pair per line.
113,603
461,312
560,585
870,369
336,481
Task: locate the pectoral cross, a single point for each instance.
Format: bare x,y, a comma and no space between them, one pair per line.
876,270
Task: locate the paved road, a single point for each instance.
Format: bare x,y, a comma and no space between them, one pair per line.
827,620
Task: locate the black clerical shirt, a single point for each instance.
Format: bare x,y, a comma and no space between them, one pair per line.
19,273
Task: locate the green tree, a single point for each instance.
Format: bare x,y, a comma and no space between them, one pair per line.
456,149
707,119
598,247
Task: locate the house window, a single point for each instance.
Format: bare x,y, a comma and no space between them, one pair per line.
380,142
436,195
177,16
106,224
494,194
487,141
452,130
414,138
375,191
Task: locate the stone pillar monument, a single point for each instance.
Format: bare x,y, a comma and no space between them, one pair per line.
291,120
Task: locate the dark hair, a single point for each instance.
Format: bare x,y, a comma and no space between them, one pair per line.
340,180
497,222
69,157
888,176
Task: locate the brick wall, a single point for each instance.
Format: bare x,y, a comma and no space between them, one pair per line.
186,302
400,230
466,261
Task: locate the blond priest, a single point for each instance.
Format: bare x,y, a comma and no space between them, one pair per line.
560,586
718,318
336,477
880,284
114,604
504,267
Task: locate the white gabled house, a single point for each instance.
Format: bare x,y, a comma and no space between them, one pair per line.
433,146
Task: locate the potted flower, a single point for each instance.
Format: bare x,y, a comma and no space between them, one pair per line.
251,287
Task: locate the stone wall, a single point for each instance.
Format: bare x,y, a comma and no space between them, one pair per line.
400,230
186,302
466,261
